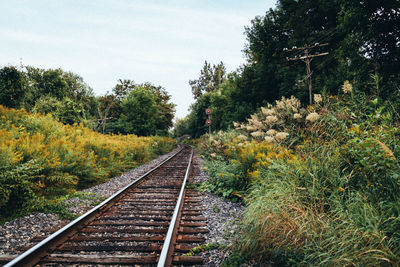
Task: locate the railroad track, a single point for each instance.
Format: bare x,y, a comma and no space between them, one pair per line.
153,221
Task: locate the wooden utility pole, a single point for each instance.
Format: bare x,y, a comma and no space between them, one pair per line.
208,121
307,58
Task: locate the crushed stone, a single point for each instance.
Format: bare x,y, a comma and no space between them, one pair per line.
222,215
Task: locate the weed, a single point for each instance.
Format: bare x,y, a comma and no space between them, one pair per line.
203,247
201,186
326,193
216,209
41,157
235,259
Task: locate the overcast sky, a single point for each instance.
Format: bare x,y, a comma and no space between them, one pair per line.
162,42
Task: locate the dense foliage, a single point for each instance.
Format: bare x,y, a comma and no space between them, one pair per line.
68,98
321,182
63,94
210,79
363,39
42,157
142,109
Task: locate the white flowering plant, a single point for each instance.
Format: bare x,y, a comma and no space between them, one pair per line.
281,121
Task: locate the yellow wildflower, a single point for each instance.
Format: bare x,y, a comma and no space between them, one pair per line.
264,111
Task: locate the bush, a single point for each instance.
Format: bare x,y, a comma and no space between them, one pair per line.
16,187
303,212
233,163
322,187
40,156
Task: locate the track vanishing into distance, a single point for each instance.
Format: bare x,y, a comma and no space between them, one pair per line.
153,221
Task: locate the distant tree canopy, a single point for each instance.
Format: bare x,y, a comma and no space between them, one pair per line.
210,79
138,109
364,42
142,109
12,85
64,94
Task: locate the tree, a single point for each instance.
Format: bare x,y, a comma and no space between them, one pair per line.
181,127
138,112
47,104
363,41
162,116
372,41
12,87
210,79
81,93
123,88
47,82
70,112
165,109
66,110
197,117
291,23
69,98
108,109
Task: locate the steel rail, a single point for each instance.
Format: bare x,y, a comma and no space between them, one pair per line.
166,249
29,257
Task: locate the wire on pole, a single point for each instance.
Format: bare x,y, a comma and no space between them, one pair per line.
307,58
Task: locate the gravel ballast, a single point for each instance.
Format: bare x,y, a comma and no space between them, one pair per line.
222,219
222,216
15,235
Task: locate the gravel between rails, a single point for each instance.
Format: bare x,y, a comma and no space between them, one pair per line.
222,216
17,233
222,219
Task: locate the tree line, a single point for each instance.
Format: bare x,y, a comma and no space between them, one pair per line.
363,40
131,108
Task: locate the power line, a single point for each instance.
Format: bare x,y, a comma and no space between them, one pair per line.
307,58
325,36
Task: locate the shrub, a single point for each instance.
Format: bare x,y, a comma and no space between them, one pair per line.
40,156
321,183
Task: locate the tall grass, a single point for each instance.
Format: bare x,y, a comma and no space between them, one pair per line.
301,212
321,183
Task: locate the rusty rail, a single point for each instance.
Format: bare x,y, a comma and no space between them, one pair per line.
166,253
154,220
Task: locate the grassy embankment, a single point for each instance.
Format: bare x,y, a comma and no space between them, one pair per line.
321,183
42,160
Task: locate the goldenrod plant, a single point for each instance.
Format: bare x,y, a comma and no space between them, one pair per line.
42,157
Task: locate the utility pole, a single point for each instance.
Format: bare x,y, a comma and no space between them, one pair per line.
307,58
208,121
